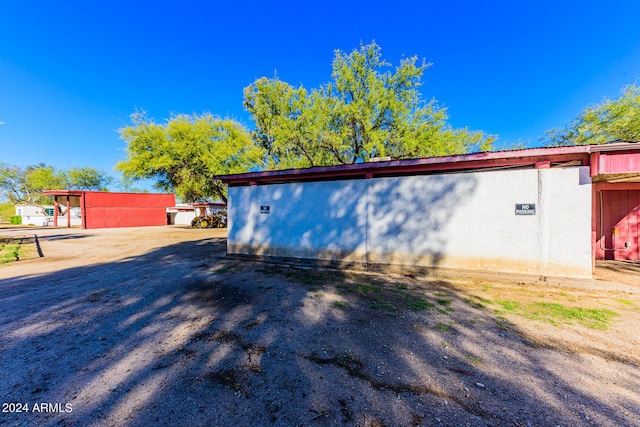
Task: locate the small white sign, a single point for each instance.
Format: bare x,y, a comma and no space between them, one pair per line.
525,208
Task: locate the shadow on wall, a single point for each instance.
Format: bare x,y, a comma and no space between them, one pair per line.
409,217
378,220
183,334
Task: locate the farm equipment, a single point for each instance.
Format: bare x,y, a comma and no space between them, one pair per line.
217,220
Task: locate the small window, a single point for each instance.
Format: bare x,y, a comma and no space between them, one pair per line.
48,211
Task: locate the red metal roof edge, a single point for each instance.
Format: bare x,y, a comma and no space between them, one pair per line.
63,192
445,163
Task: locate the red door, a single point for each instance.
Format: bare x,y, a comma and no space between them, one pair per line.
618,225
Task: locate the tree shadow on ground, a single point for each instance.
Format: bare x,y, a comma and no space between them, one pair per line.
618,266
185,336
627,272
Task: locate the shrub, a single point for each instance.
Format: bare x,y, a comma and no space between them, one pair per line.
6,210
16,219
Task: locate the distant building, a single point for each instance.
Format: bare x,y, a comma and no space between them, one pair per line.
184,213
111,209
42,215
180,214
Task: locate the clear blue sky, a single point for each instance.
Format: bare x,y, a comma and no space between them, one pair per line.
71,72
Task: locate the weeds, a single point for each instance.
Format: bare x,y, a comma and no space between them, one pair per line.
10,253
341,305
442,328
502,323
509,306
556,313
415,303
590,317
477,302
473,359
380,304
14,249
388,297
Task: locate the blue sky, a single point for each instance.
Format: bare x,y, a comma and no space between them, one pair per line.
71,72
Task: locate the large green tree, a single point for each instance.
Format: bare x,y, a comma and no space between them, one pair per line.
612,119
25,184
87,178
366,111
184,154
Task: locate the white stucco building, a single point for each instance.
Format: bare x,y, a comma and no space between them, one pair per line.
536,211
184,213
42,216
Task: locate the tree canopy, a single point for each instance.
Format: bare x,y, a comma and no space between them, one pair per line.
610,120
25,184
87,178
184,154
366,111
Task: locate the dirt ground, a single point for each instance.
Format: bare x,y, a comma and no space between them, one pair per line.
156,326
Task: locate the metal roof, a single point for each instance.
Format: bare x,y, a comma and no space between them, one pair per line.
532,157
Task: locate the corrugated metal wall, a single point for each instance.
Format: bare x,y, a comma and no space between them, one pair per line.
618,225
112,210
625,162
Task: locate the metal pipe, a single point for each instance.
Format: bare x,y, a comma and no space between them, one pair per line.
626,248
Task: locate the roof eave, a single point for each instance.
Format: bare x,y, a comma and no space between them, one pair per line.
422,165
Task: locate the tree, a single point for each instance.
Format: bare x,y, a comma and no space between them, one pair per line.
25,185
185,153
610,120
12,183
363,113
87,178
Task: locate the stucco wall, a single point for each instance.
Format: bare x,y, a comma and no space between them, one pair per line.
34,215
183,217
457,220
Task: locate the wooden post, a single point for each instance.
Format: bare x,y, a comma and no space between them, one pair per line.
55,211
82,211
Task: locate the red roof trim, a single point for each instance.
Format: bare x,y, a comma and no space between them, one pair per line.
415,166
63,192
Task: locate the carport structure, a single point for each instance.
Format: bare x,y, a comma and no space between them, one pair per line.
543,211
100,209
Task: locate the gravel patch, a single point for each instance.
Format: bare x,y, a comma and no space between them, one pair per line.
157,326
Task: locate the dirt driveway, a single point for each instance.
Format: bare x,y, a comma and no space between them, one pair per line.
156,326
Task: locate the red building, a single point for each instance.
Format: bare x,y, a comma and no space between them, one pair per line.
112,210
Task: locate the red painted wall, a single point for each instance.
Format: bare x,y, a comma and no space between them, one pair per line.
112,210
617,222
